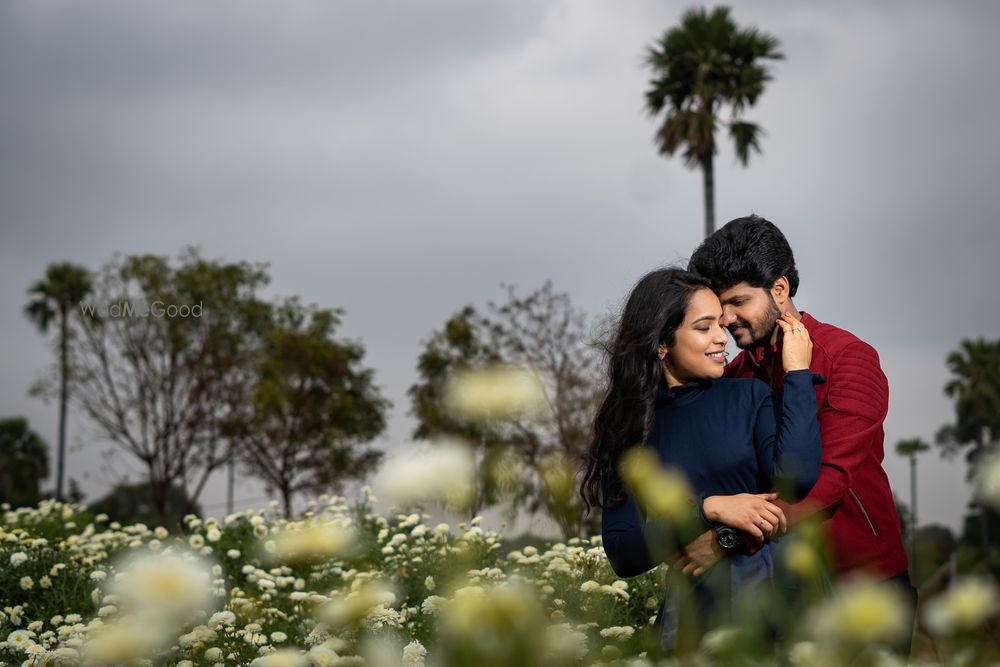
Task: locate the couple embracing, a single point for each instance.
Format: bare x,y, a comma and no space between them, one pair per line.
799,410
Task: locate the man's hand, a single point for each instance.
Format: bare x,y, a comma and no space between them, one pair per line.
753,513
701,555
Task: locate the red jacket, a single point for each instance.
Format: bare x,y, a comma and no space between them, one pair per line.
852,489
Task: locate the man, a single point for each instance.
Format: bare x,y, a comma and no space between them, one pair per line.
752,269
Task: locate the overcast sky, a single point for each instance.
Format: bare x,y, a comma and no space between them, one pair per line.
402,159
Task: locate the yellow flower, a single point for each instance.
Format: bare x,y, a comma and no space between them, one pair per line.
801,559
314,540
862,612
963,607
988,480
665,492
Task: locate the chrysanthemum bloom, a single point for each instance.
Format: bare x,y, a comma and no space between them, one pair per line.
414,654
444,472
666,492
494,392
314,541
862,613
988,480
964,607
282,658
168,587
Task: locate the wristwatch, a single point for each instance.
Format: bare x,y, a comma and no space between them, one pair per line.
727,538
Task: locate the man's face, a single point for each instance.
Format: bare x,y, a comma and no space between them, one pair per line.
750,314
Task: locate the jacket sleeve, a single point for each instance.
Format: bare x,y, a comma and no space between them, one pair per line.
856,405
787,436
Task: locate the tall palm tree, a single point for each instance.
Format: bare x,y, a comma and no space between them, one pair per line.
53,299
975,388
699,67
910,448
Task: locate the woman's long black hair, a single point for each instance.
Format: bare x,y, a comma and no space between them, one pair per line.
653,312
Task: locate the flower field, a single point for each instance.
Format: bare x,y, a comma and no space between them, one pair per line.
344,585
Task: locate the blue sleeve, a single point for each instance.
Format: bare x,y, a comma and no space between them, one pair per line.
786,436
623,535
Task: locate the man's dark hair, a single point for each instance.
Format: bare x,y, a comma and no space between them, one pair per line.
751,250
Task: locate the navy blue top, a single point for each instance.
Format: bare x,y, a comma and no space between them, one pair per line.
729,436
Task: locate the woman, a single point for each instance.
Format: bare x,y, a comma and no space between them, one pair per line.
728,436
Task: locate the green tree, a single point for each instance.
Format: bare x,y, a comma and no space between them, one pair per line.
133,503
975,389
699,67
311,409
910,448
55,299
25,462
542,331
161,352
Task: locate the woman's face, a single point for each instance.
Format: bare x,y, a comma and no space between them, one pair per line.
699,349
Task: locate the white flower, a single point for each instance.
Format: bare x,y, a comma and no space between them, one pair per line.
278,637
20,640
862,613
314,540
18,558
618,632
590,586
429,583
222,618
323,655
213,535
196,541
283,658
444,472
493,392
27,583
963,607
98,575
414,654
433,604
233,553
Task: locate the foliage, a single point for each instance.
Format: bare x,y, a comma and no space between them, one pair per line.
545,334
25,462
133,503
699,67
56,298
310,408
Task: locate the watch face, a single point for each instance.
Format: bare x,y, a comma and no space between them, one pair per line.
727,539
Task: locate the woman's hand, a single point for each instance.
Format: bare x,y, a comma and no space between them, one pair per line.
796,346
751,513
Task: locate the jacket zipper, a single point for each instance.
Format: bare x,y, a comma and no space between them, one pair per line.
862,508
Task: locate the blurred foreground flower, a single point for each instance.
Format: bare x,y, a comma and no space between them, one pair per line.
312,541
129,640
282,658
963,607
500,627
988,481
861,613
665,492
442,473
356,605
168,587
494,392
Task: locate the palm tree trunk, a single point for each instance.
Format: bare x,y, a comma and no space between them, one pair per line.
706,166
984,526
913,505
63,397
